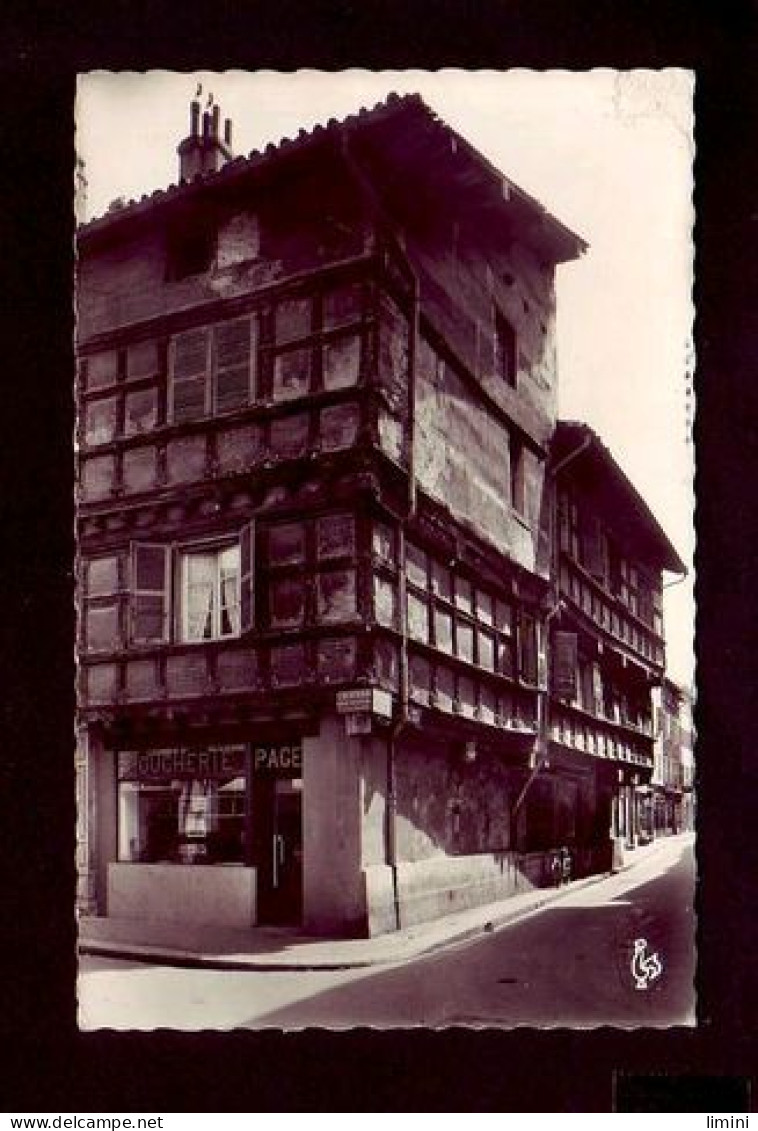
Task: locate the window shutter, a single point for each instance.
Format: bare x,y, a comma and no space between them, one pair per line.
150,592
597,689
233,364
594,549
527,648
247,577
565,665
188,375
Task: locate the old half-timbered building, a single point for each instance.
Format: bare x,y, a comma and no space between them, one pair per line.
607,654
317,391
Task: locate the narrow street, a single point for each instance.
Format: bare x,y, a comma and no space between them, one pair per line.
569,964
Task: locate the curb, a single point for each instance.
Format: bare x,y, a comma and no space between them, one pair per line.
192,960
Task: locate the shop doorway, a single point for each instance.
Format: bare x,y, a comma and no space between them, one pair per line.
278,818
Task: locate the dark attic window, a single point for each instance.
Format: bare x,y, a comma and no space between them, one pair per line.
505,349
191,247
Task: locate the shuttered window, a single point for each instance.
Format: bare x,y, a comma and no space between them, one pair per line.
189,376
233,351
150,592
212,371
527,648
565,665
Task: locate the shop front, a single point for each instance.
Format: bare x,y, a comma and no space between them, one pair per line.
208,834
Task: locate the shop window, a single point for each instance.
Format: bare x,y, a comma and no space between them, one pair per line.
140,412
210,594
335,536
336,596
182,806
100,421
505,350
418,618
443,630
342,362
286,602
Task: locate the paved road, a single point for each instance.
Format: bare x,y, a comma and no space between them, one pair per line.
567,965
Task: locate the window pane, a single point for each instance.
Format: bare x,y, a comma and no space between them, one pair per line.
287,602
149,617
100,421
288,665
189,399
464,634
343,304
415,565
232,364
336,591
229,601
443,630
386,663
418,618
102,369
102,576
199,590
463,595
292,374
486,650
485,607
420,679
289,436
140,412
102,628
505,657
336,659
445,688
383,542
385,602
293,319
97,477
442,582
142,359
286,543
335,536
150,568
338,427
342,362
503,617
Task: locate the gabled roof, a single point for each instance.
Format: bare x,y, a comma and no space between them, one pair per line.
578,451
403,136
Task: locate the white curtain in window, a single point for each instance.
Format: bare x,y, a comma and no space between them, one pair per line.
229,565
199,585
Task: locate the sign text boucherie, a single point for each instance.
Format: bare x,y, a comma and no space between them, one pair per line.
212,762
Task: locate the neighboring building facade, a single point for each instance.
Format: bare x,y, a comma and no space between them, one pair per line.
317,397
672,799
607,649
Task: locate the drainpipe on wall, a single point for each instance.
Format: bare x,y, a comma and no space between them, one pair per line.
543,697
404,675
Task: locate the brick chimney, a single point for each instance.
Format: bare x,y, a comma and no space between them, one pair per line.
204,150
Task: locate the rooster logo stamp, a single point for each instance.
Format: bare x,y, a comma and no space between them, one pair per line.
646,968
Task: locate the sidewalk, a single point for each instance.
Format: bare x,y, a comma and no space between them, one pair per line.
283,949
